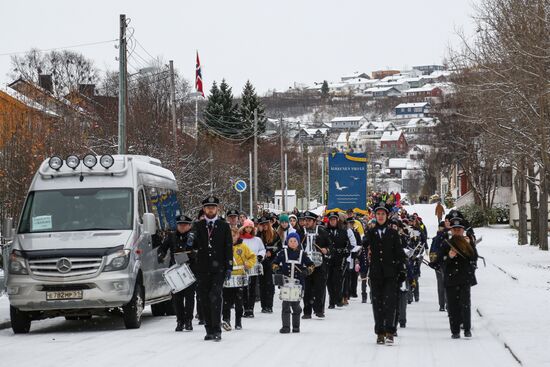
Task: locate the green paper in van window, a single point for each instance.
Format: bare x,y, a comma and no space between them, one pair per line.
41,223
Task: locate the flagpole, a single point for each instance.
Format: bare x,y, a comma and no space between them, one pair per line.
197,117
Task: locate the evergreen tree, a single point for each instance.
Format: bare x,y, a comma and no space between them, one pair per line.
249,103
324,90
220,112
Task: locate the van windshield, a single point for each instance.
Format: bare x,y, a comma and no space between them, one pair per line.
77,210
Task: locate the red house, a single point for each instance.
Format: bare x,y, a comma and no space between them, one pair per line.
394,141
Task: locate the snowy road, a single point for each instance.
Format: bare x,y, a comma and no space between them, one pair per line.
345,337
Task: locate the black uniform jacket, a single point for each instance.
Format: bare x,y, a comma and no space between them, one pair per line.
460,270
387,258
215,249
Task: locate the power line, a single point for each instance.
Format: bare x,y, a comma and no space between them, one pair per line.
59,48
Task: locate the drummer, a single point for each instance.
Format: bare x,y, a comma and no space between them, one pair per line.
282,264
243,259
181,242
248,235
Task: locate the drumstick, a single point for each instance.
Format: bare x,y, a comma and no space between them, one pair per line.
318,247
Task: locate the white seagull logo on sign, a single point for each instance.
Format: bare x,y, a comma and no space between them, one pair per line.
338,187
355,178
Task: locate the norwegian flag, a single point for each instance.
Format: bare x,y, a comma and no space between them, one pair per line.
198,76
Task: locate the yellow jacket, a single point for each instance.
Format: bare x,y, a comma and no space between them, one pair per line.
243,258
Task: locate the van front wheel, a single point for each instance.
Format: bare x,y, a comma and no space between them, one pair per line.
20,321
133,310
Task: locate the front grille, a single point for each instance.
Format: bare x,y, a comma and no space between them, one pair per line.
80,266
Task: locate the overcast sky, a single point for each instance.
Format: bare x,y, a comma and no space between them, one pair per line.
273,43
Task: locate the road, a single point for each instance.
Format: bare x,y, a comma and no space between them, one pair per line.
344,337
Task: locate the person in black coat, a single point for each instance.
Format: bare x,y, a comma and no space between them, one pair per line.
316,283
387,270
436,261
180,242
338,234
214,246
458,259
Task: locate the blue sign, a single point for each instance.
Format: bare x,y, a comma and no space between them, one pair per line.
347,182
240,186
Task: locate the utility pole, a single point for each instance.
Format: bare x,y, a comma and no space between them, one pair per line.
283,186
286,179
308,181
173,104
255,158
250,187
323,179
122,84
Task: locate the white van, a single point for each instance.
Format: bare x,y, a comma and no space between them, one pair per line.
87,240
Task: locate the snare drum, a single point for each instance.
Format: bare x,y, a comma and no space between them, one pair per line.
291,292
236,281
256,270
317,258
179,277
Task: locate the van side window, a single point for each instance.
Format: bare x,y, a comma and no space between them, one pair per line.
141,206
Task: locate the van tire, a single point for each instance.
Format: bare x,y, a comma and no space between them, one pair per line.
133,310
20,321
158,309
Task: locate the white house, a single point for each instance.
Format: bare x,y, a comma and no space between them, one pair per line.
290,199
347,122
382,92
375,129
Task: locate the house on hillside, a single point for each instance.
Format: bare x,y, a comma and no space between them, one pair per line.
428,90
418,125
412,110
381,74
355,75
393,141
312,136
428,69
375,129
347,122
382,92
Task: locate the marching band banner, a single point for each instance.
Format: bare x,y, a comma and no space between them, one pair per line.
347,182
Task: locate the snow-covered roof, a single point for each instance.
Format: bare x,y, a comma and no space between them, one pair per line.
416,121
391,135
380,89
412,105
403,163
45,92
27,101
425,88
375,125
361,81
346,119
313,131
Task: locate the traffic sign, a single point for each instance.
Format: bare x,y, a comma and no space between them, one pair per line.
240,186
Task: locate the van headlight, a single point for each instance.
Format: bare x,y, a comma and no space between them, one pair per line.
17,264
117,261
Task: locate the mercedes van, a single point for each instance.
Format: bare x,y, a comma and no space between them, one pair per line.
87,239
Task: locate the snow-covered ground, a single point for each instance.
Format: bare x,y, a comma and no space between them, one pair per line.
513,312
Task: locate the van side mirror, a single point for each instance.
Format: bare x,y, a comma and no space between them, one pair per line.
149,223
7,230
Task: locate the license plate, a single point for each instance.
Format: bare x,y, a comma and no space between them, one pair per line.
60,295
